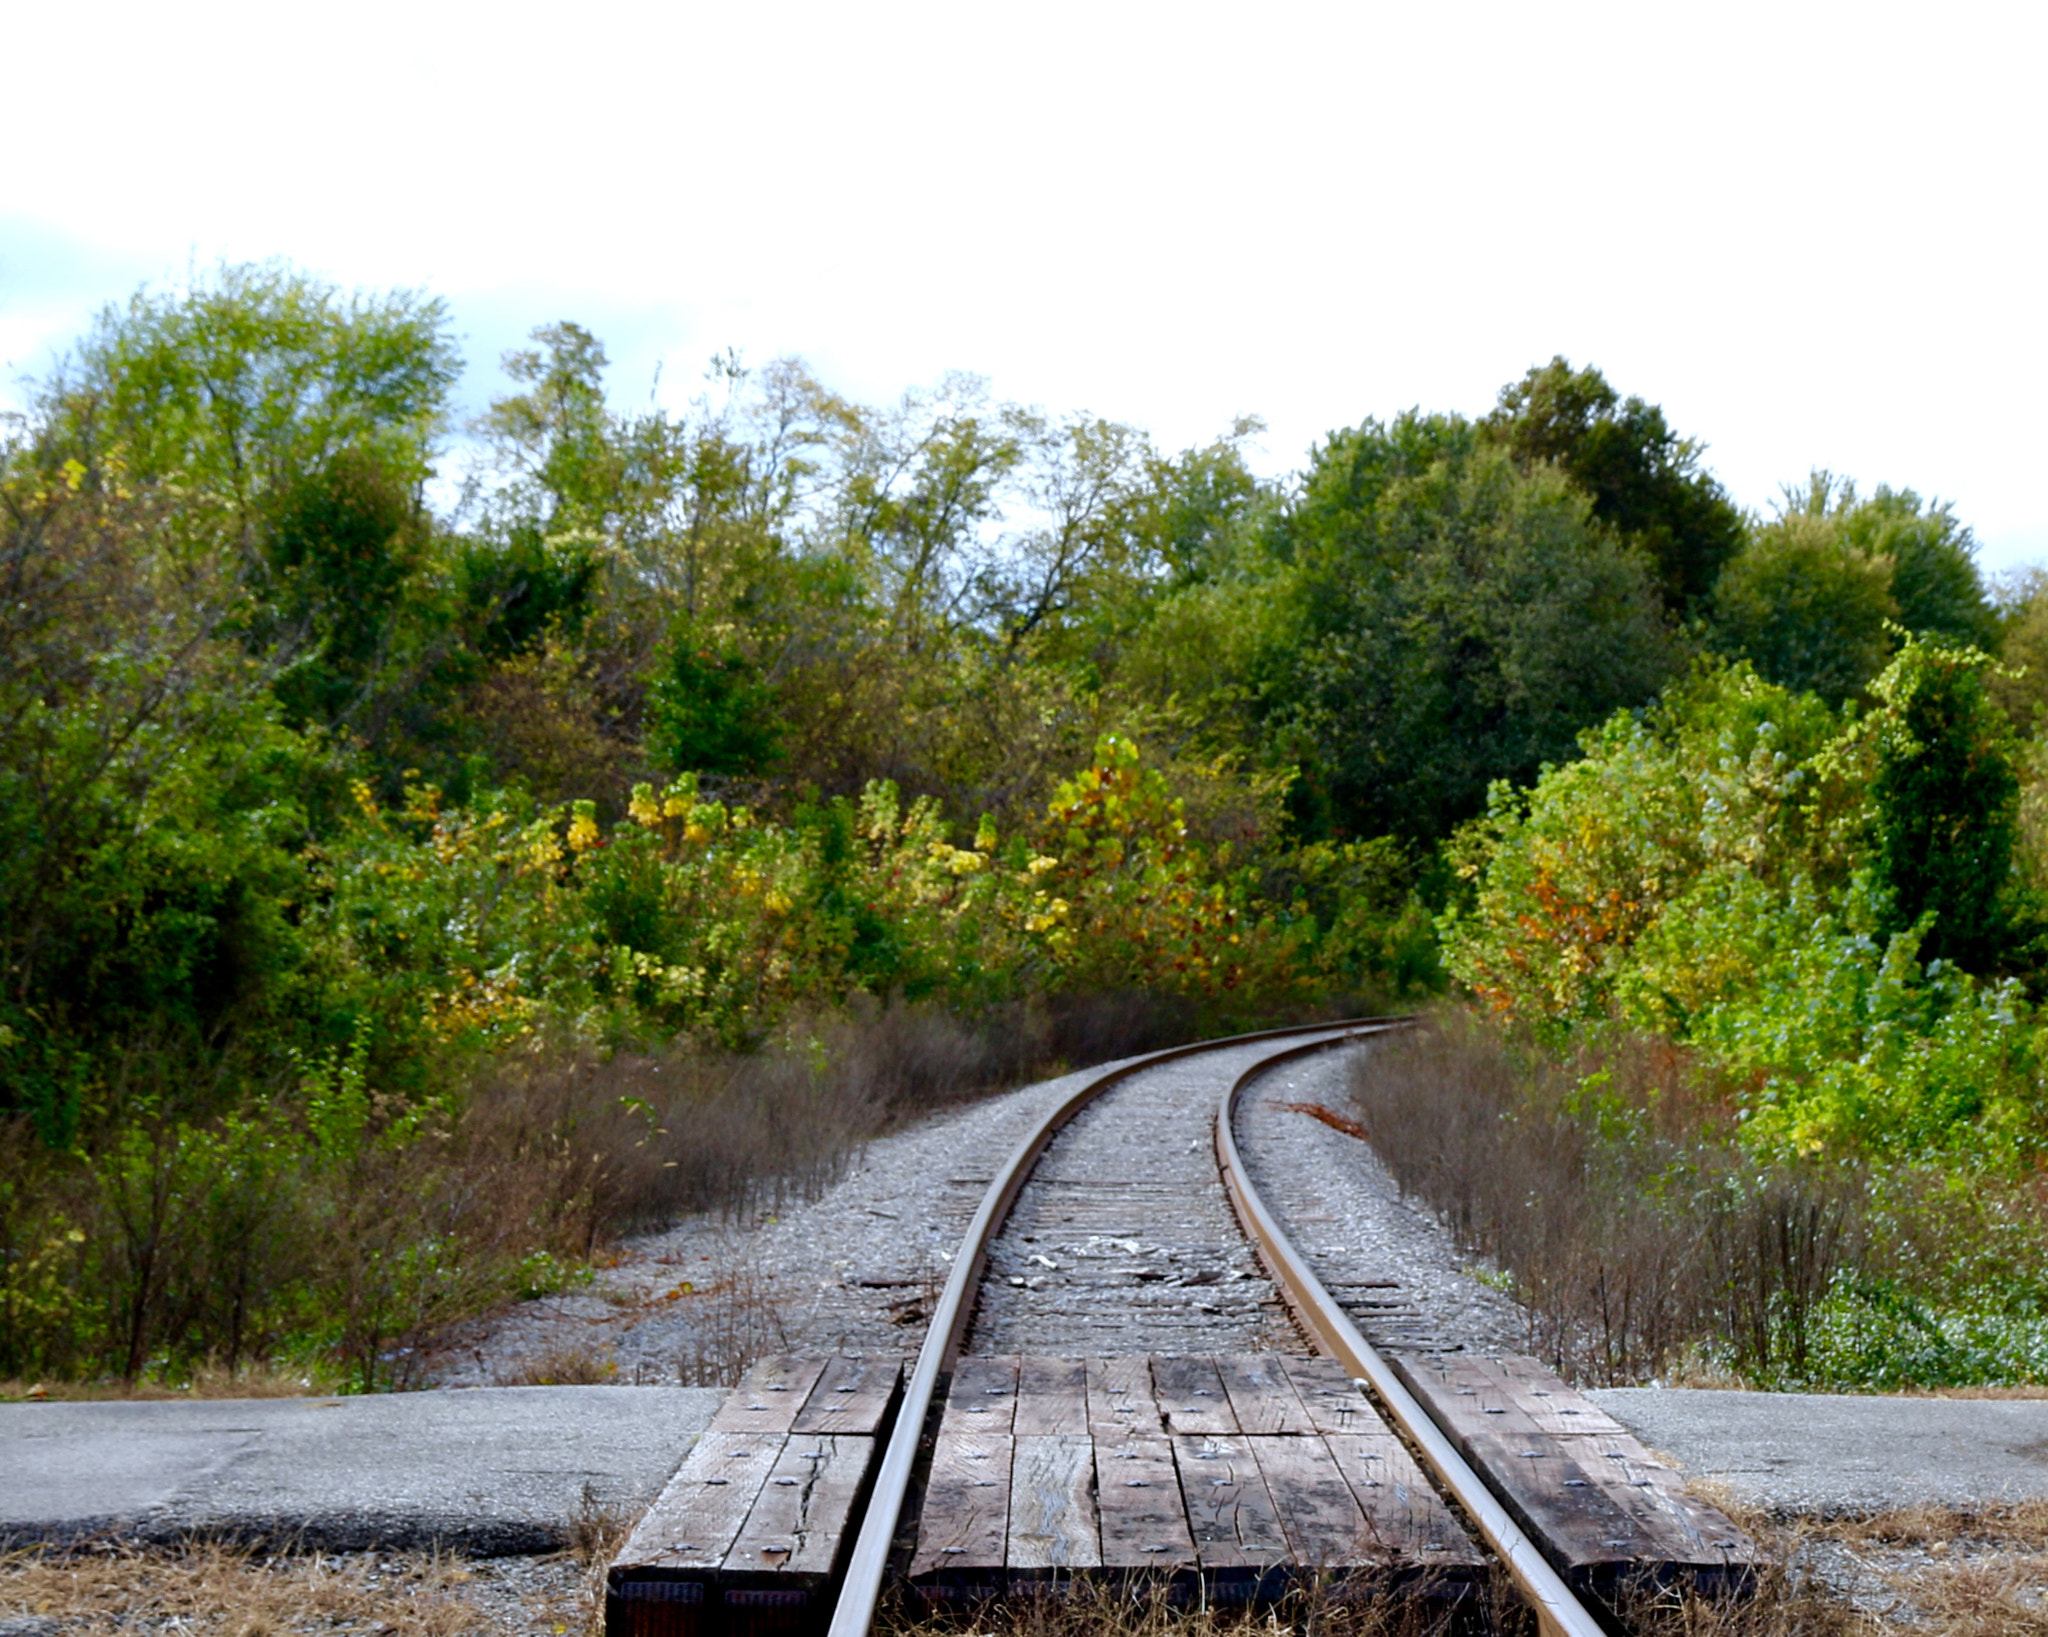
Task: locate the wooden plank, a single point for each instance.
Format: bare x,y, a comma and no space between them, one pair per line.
1330,1396
1325,1527
661,1582
1262,1397
1405,1518
1052,1397
1600,1507
1144,1527
1231,1515
792,1538
854,1397
1191,1394
983,1396
770,1396
1508,1398
698,1515
963,1526
1120,1400
1054,1526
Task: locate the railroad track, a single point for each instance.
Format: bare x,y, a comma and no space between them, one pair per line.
1128,1216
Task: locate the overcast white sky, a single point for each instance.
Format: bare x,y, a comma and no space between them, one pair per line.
1811,232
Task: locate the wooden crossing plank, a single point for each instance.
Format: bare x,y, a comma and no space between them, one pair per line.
1330,1396
1120,1399
853,1397
1233,1520
1190,1392
770,1396
1052,1397
1144,1524
793,1535
1405,1517
663,1577
983,1396
698,1514
963,1527
1325,1527
1602,1509
1054,1525
1262,1397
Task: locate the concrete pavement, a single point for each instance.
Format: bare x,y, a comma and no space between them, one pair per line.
1832,1454
490,1471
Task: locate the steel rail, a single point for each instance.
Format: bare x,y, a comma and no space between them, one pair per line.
1559,1613
854,1612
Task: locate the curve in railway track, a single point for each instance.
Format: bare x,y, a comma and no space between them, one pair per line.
1128,1215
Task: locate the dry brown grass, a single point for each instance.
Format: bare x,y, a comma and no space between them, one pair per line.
206,1381
567,1364
211,1588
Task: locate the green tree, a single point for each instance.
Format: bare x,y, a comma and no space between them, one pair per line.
1806,607
1945,796
1645,481
1455,618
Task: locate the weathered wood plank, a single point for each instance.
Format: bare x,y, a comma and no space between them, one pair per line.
1054,1525
1231,1515
770,1396
662,1580
696,1518
1330,1396
854,1397
793,1535
963,1527
983,1396
1406,1520
1325,1527
1600,1507
1144,1523
1262,1397
1052,1397
1120,1399
1191,1394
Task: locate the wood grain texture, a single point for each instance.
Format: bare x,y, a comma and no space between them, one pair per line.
1120,1399
983,1396
770,1396
1330,1396
698,1515
1231,1515
1052,1397
1054,1525
1406,1521
803,1513
853,1397
1262,1396
1144,1524
963,1528
1191,1396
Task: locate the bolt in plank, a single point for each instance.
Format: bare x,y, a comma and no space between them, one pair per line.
1120,1399
1144,1526
853,1397
1262,1397
656,1586
1404,1515
982,1397
793,1535
1191,1393
770,1396
1330,1396
1052,1397
1230,1513
964,1525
